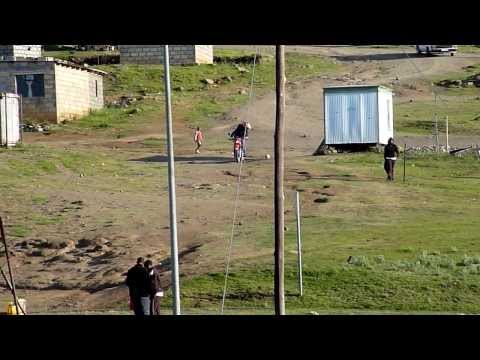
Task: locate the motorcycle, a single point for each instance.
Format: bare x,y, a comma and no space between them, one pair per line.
238,150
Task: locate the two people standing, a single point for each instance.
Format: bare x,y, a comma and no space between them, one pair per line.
145,288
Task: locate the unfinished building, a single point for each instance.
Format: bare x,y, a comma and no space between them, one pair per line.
10,52
154,54
52,90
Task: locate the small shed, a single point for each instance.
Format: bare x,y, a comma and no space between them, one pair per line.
9,119
358,115
52,90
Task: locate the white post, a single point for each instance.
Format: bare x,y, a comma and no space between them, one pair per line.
299,245
171,188
446,130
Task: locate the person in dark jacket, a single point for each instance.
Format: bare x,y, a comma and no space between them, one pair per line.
390,155
156,288
242,132
139,288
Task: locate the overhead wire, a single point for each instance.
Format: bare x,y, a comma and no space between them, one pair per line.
229,246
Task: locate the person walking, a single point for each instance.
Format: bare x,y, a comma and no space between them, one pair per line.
156,288
390,155
198,140
139,290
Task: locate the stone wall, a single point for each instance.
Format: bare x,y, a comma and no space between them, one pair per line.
179,54
35,108
21,51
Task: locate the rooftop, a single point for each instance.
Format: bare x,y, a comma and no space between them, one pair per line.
356,87
16,59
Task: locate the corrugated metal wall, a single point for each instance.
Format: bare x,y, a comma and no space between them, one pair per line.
351,116
9,119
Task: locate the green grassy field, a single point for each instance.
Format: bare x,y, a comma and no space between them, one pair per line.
418,117
67,54
469,49
414,246
461,105
197,103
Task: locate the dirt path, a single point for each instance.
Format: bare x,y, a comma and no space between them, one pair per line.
205,184
304,100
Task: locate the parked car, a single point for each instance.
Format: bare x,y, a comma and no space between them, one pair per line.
436,49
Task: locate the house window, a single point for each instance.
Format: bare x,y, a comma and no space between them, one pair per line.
96,88
31,85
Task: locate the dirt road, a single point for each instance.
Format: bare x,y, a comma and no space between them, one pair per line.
138,222
368,65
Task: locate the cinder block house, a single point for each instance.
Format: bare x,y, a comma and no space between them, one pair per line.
179,54
52,90
21,51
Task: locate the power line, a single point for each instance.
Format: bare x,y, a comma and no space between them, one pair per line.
229,248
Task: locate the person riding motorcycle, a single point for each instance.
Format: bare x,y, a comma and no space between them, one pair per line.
241,132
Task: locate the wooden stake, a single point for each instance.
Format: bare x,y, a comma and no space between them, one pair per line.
12,282
299,244
11,289
446,133
404,161
279,173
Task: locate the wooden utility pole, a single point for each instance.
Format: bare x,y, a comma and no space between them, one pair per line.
279,173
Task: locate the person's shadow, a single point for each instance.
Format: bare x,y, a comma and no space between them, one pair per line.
187,159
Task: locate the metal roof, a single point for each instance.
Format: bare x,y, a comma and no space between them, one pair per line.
356,86
56,61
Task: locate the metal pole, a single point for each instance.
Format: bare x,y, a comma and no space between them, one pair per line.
6,121
7,256
446,132
299,245
404,160
171,188
21,119
279,173
436,134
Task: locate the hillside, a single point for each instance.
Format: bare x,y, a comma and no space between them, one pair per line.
86,200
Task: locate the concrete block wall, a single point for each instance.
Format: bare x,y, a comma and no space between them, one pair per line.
23,51
75,91
69,92
37,108
154,54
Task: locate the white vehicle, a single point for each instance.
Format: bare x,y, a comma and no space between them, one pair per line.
436,49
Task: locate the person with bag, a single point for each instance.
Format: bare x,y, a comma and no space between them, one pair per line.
390,155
